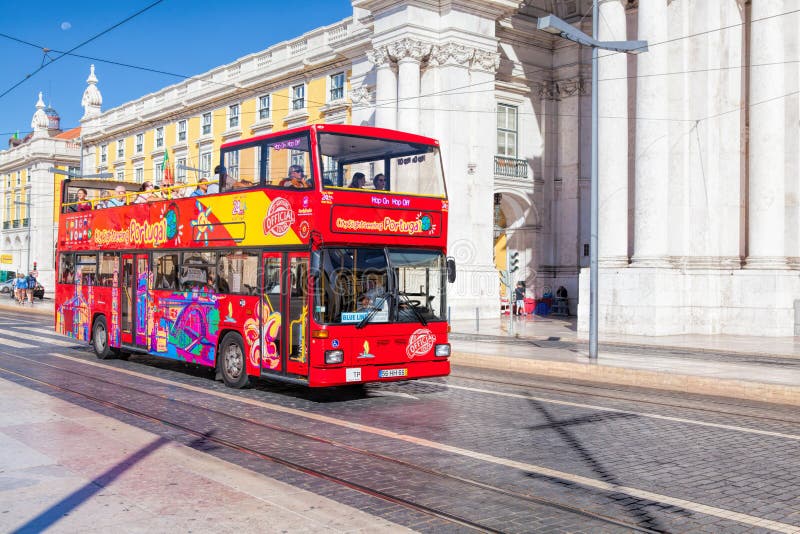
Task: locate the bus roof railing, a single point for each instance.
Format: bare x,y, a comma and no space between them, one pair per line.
163,193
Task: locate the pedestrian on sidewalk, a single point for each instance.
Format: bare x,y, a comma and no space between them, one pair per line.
20,287
30,282
519,298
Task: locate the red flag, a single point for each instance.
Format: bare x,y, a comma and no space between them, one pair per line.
166,168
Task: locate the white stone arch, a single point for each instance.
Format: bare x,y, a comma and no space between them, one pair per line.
522,219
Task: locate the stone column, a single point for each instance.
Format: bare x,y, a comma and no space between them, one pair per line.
767,203
385,89
613,140
408,53
465,139
650,236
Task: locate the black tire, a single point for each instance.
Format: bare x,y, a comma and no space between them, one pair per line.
231,361
100,339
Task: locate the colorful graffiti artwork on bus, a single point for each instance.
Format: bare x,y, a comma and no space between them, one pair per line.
144,316
297,330
201,224
114,333
187,327
265,349
72,316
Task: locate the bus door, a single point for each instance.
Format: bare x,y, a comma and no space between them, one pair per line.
141,308
284,317
272,357
297,305
127,292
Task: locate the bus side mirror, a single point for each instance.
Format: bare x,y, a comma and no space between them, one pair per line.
451,269
316,261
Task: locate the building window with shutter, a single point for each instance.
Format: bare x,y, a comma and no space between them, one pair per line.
298,97
233,116
263,107
337,86
507,130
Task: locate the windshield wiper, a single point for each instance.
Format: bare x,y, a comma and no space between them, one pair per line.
413,309
377,306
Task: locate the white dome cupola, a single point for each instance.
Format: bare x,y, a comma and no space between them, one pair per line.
92,99
40,121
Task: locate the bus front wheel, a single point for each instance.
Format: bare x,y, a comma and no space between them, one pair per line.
232,364
100,339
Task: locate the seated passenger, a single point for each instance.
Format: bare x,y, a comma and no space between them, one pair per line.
82,204
105,197
146,192
358,181
364,303
202,188
228,182
296,178
379,181
157,194
119,199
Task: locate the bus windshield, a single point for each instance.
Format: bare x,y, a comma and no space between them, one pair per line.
358,285
383,165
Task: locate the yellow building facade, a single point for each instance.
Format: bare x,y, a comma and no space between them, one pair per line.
189,121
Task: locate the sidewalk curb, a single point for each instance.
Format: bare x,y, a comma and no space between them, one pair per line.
621,344
40,308
738,389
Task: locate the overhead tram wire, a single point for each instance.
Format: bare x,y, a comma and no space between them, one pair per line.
444,92
87,41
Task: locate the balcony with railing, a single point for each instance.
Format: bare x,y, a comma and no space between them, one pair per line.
510,167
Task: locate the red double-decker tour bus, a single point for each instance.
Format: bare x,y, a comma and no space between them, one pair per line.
315,255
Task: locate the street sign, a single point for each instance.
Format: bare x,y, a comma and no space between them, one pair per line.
6,258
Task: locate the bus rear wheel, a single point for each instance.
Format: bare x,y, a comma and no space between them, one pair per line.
100,339
232,363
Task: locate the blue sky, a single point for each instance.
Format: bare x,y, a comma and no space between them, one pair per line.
178,36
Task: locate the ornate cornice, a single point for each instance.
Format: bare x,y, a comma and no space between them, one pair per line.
378,56
408,48
485,61
451,54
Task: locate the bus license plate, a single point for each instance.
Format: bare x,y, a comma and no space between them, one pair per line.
389,373
352,374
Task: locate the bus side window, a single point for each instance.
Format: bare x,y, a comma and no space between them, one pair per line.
198,271
109,262
67,269
166,266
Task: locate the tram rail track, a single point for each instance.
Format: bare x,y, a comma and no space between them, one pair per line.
742,409
212,437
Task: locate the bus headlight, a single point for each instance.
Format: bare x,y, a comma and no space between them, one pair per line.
334,356
442,350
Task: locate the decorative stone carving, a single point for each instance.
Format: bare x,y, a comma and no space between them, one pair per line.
560,89
486,61
451,54
545,90
378,56
409,49
362,95
570,87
